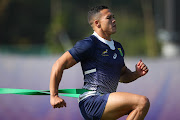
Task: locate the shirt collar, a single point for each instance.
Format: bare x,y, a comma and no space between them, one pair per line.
109,43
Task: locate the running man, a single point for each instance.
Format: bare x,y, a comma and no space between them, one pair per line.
102,61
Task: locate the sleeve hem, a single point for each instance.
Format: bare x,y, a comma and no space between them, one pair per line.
73,55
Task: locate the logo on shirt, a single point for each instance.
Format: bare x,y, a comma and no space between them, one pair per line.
105,53
114,56
121,53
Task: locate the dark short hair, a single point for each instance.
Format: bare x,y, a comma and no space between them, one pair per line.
94,10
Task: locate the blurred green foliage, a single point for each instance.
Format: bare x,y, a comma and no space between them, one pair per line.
130,34
24,22
48,24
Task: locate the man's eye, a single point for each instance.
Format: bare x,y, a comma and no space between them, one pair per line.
108,17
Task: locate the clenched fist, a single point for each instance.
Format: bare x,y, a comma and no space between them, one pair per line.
141,68
57,102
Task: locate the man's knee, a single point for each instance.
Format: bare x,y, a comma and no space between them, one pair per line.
144,102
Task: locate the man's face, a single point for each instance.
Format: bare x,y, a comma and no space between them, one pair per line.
107,22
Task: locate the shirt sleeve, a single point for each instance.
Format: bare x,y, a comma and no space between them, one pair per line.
123,54
82,50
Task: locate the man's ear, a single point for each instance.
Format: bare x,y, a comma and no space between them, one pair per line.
97,24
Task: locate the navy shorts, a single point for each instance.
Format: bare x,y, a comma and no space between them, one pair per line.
93,107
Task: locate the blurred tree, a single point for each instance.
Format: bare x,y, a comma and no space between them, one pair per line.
149,28
55,25
130,32
24,22
57,37
60,23
3,6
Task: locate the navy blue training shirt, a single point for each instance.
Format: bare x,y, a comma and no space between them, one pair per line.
101,65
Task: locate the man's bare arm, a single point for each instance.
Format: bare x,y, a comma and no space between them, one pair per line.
64,62
128,76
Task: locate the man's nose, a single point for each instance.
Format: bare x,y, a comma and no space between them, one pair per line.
113,21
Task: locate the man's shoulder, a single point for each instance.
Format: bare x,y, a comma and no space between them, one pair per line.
91,38
86,42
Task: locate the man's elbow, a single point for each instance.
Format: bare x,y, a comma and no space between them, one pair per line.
123,81
57,66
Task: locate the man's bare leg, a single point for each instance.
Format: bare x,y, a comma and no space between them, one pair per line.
121,103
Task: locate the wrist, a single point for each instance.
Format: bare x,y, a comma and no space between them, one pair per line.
136,74
53,94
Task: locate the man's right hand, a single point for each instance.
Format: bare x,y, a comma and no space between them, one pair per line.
57,102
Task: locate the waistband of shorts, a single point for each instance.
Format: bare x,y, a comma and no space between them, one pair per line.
87,94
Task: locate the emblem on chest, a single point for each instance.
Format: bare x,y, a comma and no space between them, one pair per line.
105,53
121,53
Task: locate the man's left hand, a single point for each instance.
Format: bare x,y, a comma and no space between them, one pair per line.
141,68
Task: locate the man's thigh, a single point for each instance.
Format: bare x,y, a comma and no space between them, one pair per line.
120,104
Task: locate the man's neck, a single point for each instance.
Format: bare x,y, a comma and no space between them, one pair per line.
103,35
109,43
